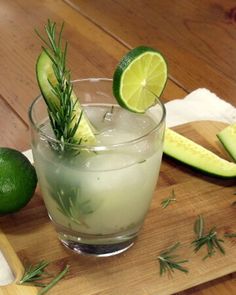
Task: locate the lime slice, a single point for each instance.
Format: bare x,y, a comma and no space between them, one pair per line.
46,78
139,79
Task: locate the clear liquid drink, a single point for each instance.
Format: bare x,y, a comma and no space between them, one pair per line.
98,196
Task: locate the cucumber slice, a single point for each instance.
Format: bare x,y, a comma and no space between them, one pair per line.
193,154
228,138
46,78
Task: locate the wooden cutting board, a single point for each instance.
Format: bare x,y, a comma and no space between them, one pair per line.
137,271
17,270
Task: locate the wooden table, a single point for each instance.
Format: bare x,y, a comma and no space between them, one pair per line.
197,38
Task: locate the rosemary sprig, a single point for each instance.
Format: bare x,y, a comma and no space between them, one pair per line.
65,117
230,235
45,289
199,226
168,262
68,200
68,197
166,202
36,274
62,112
209,240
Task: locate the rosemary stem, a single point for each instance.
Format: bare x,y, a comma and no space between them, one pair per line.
54,281
230,235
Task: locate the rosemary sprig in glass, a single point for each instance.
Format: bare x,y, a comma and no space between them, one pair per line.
169,262
61,114
166,202
64,122
210,240
68,199
36,275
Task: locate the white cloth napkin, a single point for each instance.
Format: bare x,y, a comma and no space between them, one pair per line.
200,104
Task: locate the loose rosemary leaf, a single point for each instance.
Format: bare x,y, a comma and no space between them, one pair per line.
210,240
36,275
199,226
168,261
34,272
166,202
45,289
230,235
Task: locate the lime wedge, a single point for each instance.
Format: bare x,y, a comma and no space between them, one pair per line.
139,79
46,78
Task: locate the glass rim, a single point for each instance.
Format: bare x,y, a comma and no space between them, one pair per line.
95,147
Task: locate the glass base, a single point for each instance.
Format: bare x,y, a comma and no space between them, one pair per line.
99,250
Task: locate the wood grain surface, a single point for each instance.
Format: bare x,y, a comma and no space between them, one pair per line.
137,271
197,37
91,53
95,48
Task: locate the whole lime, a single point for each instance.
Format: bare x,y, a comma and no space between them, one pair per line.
18,180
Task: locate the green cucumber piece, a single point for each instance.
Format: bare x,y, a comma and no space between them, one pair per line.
46,78
193,154
228,138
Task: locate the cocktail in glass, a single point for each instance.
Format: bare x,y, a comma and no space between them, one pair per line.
97,196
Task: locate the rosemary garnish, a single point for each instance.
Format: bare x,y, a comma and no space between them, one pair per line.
36,274
62,112
168,262
166,202
209,240
65,116
230,235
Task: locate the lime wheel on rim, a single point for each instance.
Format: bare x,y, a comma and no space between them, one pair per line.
140,79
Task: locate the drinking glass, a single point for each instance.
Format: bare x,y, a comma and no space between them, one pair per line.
97,196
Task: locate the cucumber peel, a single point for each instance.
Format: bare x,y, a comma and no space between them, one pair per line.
228,138
196,156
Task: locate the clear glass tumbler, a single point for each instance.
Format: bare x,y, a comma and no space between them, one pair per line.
98,195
